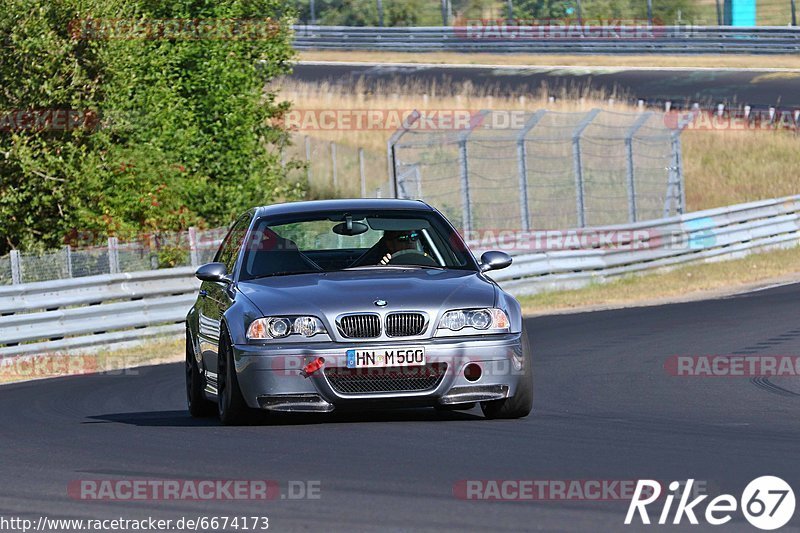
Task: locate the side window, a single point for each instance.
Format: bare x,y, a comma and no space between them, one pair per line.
229,249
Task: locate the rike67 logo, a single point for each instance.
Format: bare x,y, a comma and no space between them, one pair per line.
767,503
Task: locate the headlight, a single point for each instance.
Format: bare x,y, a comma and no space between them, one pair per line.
481,319
281,327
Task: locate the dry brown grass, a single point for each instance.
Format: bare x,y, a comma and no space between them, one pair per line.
721,167
650,61
430,96
687,283
731,167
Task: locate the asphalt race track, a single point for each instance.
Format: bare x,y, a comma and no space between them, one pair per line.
759,89
605,409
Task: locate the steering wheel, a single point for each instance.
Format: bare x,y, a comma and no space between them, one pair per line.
412,258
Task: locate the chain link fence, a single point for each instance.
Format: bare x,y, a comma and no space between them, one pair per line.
544,169
164,250
338,170
503,170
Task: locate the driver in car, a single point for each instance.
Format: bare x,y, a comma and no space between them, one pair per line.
394,241
391,242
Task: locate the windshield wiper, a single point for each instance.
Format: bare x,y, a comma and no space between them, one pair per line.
286,273
397,266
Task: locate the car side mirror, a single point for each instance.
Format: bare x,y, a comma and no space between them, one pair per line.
495,261
216,272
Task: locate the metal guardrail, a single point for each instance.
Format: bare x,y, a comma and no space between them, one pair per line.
94,311
560,39
715,234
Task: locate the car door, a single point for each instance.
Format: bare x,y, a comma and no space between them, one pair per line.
217,297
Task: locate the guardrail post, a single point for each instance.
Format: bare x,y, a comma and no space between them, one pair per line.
580,200
113,255
194,252
361,172
522,168
631,172
16,271
68,259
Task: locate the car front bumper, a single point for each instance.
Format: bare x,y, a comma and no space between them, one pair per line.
271,376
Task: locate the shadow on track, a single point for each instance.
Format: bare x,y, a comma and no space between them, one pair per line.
182,418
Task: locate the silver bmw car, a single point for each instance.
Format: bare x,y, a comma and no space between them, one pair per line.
349,304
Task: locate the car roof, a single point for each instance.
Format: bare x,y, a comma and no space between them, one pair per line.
354,204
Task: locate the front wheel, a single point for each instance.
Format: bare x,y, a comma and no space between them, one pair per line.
232,409
519,405
199,406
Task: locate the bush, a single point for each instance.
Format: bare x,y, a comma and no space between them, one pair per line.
185,126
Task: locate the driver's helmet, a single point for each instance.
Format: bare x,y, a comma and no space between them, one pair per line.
405,239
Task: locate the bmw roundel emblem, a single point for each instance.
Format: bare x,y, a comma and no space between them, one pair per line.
381,303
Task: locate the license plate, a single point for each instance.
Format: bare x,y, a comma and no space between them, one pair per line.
383,357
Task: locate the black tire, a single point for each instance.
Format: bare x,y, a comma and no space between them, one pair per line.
519,405
199,406
231,407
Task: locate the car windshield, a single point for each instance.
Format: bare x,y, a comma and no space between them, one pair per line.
326,242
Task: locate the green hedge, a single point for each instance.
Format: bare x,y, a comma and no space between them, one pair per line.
170,132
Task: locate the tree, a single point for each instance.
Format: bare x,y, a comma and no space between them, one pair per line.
182,129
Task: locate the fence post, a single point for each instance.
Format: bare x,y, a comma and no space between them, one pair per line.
193,249
391,156
631,172
362,173
308,160
678,153
333,164
580,200
463,164
68,259
113,257
16,270
466,212
522,168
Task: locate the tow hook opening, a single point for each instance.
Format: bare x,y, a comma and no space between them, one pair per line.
472,372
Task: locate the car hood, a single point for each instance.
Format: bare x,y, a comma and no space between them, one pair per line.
330,294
